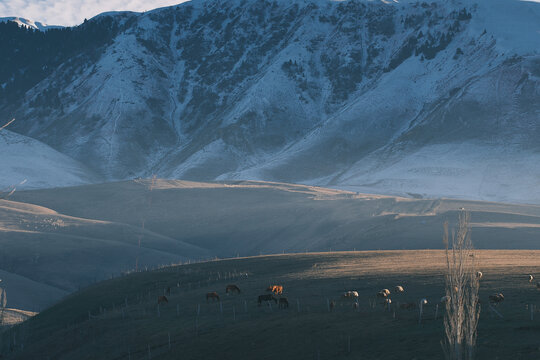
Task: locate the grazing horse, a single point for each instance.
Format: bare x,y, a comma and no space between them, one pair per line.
162,299
283,303
212,295
350,295
276,289
496,298
232,288
266,297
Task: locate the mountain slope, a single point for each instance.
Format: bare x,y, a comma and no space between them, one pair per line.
28,163
319,92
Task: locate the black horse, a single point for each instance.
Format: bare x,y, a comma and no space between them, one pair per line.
283,303
266,297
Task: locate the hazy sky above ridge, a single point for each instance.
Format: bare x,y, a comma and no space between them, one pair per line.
73,12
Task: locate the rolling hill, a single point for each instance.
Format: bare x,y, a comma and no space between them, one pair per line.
120,319
71,237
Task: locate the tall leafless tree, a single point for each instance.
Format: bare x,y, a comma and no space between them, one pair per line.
462,283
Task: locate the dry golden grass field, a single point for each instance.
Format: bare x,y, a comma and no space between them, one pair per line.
120,318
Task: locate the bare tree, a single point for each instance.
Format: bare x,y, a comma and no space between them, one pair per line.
462,283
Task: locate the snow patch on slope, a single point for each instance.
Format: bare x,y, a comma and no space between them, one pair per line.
467,170
28,163
36,25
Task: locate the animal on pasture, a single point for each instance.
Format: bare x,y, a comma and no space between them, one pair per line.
266,297
162,299
283,303
212,295
232,288
350,295
496,298
276,289
399,289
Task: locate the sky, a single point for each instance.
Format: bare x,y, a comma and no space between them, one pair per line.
73,12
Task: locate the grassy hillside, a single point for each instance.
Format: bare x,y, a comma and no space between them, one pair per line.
120,319
68,238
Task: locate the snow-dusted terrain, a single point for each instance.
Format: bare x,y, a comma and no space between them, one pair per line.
30,24
29,164
434,98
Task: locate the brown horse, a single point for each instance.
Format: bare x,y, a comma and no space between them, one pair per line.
266,297
496,298
276,289
232,288
212,295
162,299
283,303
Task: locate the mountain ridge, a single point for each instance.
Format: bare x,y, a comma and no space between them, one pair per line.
317,92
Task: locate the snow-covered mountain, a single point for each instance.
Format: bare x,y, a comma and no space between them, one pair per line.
432,98
29,24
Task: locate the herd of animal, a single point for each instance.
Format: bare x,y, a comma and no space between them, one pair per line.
383,295
275,290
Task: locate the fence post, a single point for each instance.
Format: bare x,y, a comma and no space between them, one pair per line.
177,309
436,311
169,335
234,313
298,305
349,344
